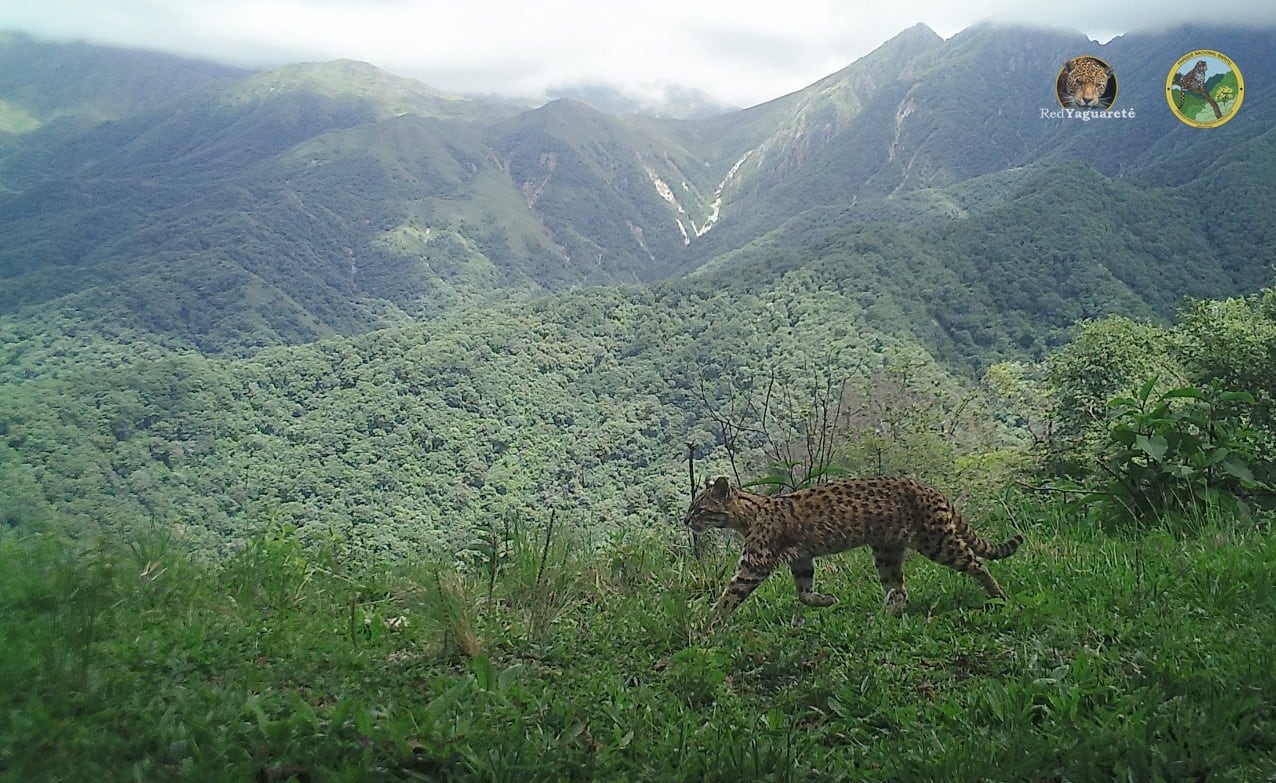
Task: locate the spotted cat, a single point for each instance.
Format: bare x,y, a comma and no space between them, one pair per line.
1192,81
891,515
1083,84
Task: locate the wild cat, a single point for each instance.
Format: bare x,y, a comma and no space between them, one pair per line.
889,514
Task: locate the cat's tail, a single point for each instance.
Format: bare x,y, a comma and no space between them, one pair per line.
990,551
981,547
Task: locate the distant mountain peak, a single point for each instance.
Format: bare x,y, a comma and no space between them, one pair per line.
338,77
387,94
920,31
655,99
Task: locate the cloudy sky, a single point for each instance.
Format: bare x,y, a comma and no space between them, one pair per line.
739,51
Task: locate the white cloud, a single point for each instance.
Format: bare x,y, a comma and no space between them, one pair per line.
740,51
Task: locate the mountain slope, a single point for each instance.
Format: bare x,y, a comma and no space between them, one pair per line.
228,211
1002,266
426,432
928,113
620,200
330,198
83,84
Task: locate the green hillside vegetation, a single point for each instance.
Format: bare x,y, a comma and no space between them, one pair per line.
455,555
286,221
424,431
15,120
345,424
225,212
291,207
560,631
970,300
78,85
569,658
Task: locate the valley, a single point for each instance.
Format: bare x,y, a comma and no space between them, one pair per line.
232,233
347,424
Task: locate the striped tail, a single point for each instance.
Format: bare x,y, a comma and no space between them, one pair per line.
977,544
991,552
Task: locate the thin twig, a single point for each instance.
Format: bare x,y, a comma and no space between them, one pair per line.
549,534
1060,490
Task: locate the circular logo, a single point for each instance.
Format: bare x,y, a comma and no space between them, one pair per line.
1086,83
1204,88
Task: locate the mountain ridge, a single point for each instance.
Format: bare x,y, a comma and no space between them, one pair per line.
334,198
316,309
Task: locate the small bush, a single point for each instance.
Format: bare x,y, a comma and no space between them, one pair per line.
1184,449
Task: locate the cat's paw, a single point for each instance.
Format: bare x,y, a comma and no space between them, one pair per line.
819,599
896,600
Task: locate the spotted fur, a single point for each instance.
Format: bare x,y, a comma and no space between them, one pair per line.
1192,81
890,515
1083,84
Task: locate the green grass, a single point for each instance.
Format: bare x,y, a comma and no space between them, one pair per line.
546,656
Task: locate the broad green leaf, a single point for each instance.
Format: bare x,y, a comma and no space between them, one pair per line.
1218,455
1123,435
484,672
444,701
1146,389
1237,396
1234,467
1153,446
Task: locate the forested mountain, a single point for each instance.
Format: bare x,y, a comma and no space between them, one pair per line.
76,85
327,198
225,211
352,422
327,295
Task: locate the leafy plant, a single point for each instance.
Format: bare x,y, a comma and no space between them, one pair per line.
1108,358
541,576
1184,448
453,613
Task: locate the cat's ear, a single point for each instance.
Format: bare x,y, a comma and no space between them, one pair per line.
721,488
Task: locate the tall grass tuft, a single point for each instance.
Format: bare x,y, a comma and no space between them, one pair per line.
453,610
541,581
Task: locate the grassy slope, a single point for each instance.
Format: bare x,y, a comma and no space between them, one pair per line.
1144,658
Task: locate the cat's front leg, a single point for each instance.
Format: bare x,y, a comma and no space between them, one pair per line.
803,570
753,569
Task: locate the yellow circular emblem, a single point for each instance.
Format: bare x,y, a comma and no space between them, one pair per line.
1204,88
